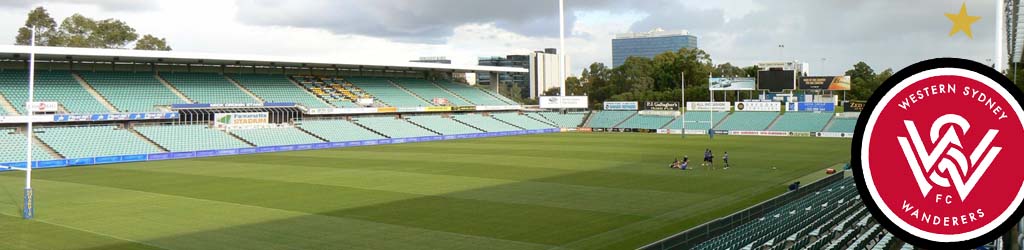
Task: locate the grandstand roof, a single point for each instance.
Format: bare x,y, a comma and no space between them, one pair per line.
146,56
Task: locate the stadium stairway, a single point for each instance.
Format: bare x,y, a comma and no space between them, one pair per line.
173,89
407,91
146,139
774,121
241,139
46,147
244,89
469,125
424,127
95,94
6,104
828,125
540,118
311,133
371,130
627,119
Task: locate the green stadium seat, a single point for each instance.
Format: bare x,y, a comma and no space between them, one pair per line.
394,128
275,136
651,122
428,91
12,148
207,88
748,121
485,123
184,138
94,141
278,88
475,95
846,125
56,86
383,90
338,130
698,120
802,122
131,91
443,125
568,120
522,121
608,118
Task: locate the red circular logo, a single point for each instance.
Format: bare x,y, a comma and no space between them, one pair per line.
936,154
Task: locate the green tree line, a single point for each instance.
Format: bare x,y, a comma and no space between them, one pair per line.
84,32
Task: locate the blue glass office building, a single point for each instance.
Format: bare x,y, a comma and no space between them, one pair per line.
649,44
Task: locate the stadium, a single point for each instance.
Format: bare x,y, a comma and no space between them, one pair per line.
250,147
141,149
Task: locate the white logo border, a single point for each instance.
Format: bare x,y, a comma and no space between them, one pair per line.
866,164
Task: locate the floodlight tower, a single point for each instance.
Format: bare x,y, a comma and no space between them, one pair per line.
561,41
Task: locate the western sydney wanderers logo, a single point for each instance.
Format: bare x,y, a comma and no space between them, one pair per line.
937,154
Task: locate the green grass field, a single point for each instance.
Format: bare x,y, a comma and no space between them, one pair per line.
554,191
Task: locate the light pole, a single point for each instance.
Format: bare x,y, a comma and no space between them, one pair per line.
781,55
561,41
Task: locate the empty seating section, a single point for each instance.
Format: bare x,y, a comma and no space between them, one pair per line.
843,125
275,136
485,123
568,120
12,147
699,120
428,91
131,92
500,97
184,138
646,121
834,208
473,94
383,90
445,126
277,88
608,119
748,121
82,142
521,121
56,86
801,122
207,88
339,130
394,128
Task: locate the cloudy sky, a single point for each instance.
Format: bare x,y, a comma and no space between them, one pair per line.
883,33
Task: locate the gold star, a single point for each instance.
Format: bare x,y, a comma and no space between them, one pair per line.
962,22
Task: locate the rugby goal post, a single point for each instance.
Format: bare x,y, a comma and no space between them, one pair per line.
28,207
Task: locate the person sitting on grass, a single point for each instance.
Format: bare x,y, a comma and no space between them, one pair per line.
674,164
685,163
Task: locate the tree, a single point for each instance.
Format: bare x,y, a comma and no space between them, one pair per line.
113,34
46,29
84,32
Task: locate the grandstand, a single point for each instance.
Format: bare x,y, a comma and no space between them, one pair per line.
394,127
748,121
338,130
12,147
426,90
522,121
207,88
609,118
58,86
101,141
484,122
277,88
567,120
387,92
474,95
801,122
275,136
698,120
131,91
842,125
650,122
184,138
442,125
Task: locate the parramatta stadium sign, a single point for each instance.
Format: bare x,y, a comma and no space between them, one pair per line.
937,154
